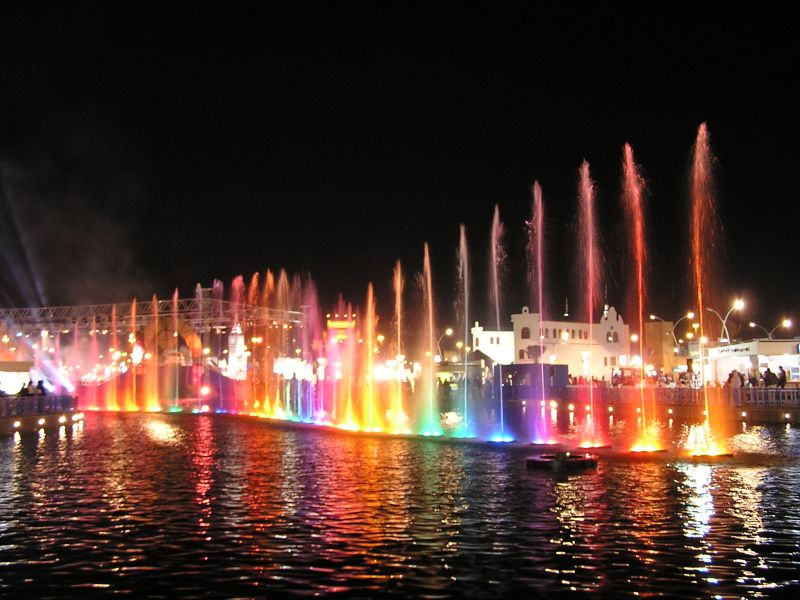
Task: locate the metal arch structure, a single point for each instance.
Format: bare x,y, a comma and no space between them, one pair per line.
203,314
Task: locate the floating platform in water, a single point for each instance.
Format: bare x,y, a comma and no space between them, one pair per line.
584,449
709,457
562,461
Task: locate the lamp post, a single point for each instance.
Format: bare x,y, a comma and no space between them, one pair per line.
688,315
448,332
737,305
785,323
761,327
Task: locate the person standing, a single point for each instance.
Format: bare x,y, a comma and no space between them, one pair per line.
781,378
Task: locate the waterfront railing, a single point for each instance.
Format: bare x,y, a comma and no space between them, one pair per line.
757,397
19,406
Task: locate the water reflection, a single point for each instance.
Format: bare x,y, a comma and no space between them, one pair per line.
699,504
203,453
198,505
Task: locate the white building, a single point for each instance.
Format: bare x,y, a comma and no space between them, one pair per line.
497,345
747,357
589,351
595,350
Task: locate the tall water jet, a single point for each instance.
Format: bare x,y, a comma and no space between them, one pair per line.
369,401
237,360
199,378
498,259
282,397
633,201
152,401
94,381
590,268
76,357
216,375
267,295
131,401
463,278
704,237
253,290
59,385
536,279
312,349
398,417
430,421
174,344
349,379
112,402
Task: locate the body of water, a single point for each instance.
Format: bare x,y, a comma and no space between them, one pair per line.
213,506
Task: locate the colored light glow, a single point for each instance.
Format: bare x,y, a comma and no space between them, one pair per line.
590,444
701,442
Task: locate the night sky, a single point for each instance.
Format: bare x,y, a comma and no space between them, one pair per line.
150,147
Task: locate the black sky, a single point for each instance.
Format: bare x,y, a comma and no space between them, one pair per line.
147,147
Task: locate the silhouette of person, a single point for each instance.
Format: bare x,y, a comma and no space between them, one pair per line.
781,378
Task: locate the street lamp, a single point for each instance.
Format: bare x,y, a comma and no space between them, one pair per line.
737,305
448,332
688,315
785,323
761,327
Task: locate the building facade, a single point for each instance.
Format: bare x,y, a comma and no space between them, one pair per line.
497,345
589,350
753,357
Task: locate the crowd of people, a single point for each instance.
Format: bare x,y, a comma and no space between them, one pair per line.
688,379
756,379
29,389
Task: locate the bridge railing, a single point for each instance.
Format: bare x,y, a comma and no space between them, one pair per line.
18,406
766,397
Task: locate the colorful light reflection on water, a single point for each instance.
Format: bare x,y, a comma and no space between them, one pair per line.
181,505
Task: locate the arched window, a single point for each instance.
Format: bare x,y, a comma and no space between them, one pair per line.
573,334
522,354
547,332
525,334
477,342
616,336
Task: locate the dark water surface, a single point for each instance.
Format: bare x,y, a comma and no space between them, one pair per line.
190,506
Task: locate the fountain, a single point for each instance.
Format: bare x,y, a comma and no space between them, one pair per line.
264,350
430,422
498,260
398,417
463,277
539,422
633,201
590,267
704,237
